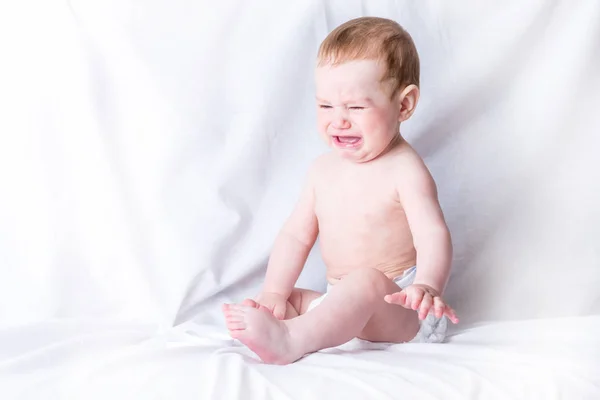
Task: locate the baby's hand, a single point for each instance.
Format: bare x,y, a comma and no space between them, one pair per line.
422,298
275,302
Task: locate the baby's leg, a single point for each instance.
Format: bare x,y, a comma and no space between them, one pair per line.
299,301
354,307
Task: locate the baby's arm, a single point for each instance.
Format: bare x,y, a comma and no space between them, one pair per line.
293,244
431,237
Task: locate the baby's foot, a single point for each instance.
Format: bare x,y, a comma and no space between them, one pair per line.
255,326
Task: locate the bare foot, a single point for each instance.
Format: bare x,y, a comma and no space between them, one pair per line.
255,326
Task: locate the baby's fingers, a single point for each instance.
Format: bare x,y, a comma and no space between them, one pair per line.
425,306
417,297
398,298
271,307
279,312
439,307
449,312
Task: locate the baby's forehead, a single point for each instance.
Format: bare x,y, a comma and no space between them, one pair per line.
359,72
350,80
368,66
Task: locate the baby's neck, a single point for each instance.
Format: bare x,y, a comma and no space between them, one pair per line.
395,142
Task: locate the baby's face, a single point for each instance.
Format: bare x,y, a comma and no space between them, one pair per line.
355,114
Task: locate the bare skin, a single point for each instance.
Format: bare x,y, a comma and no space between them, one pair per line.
374,206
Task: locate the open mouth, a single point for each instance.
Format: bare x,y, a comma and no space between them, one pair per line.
347,141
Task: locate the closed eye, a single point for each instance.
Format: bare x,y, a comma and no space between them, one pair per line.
324,106
356,108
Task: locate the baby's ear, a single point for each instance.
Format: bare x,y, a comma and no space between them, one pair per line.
409,98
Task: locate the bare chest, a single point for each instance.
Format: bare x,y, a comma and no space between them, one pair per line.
357,200
365,202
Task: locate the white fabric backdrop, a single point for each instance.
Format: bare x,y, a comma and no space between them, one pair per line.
150,151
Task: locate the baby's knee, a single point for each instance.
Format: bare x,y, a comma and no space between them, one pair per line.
371,280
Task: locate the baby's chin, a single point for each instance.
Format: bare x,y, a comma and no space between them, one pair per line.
350,151
358,156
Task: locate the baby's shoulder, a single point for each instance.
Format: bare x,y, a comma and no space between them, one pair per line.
405,158
408,166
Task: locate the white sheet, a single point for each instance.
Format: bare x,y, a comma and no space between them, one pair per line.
543,359
149,153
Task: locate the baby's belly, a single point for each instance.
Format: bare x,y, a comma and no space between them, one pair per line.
341,259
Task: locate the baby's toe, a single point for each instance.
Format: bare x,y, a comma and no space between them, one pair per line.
233,310
250,303
236,325
240,312
226,309
234,317
237,333
264,309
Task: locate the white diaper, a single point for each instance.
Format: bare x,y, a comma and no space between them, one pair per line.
432,330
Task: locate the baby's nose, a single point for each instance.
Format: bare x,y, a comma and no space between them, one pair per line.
341,122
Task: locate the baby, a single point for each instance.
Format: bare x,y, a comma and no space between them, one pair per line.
374,205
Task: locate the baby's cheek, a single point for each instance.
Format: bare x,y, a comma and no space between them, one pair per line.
369,125
321,124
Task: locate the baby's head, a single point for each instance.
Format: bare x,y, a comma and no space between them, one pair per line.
367,83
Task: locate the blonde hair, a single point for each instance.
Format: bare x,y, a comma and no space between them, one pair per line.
373,38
